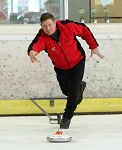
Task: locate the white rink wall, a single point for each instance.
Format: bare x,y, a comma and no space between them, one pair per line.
20,79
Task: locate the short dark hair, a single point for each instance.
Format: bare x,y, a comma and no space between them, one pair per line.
46,16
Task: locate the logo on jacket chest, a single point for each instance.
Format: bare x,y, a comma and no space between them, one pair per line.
53,48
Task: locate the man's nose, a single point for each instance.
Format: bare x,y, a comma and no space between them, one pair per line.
48,27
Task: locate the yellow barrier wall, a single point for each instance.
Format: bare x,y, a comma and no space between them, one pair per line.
27,107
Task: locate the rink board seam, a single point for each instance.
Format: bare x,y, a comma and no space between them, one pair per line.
88,105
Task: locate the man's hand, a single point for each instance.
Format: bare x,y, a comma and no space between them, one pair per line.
33,55
97,52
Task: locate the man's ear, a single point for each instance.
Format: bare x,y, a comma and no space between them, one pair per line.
55,23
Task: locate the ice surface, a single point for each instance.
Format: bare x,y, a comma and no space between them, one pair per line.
89,132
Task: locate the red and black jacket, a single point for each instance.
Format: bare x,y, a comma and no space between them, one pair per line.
66,53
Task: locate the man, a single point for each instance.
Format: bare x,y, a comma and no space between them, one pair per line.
58,39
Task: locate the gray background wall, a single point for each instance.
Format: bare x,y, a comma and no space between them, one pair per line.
73,9
20,79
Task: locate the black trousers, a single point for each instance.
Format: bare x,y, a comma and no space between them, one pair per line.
70,81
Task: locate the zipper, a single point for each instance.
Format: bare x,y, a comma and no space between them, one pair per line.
64,54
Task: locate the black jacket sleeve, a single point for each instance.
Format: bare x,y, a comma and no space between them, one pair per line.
34,41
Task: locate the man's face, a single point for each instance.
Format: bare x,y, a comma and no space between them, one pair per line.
49,26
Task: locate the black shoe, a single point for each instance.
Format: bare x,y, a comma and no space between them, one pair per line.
82,88
65,123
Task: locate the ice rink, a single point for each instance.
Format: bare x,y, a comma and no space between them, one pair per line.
89,132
